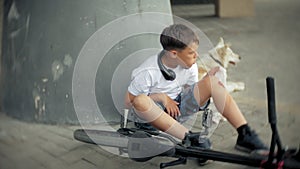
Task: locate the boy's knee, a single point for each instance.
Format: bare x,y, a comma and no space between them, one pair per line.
217,83
146,109
142,103
207,85
208,81
212,80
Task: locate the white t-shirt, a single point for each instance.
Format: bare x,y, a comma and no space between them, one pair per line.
147,79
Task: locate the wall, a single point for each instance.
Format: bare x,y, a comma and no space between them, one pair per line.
41,43
1,27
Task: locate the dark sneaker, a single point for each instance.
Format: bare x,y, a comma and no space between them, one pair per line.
193,140
249,142
204,143
144,126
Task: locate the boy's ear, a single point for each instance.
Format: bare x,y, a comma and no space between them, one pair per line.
173,53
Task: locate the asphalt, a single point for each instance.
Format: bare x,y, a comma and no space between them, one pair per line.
268,44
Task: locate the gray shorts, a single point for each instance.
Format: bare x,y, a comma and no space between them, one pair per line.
188,105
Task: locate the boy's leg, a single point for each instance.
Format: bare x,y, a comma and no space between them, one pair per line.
210,86
149,111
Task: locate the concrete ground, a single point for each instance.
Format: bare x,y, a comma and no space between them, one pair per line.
268,44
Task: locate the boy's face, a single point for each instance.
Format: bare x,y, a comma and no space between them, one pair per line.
188,56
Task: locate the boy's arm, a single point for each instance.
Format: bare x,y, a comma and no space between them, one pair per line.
157,97
162,98
170,104
128,100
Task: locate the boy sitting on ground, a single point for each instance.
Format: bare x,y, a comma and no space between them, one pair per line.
164,101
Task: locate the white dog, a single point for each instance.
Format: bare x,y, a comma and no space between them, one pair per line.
221,55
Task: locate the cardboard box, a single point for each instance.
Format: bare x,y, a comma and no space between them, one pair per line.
234,8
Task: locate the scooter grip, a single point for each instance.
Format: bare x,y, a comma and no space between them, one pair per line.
271,100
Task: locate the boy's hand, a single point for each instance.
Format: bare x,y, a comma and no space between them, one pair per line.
172,107
213,71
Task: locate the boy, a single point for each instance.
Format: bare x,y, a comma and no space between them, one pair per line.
163,100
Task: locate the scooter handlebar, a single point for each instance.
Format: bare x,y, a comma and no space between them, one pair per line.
271,100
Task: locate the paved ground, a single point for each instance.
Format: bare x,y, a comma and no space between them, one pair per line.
268,44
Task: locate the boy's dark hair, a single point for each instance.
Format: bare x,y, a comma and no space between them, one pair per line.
177,36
